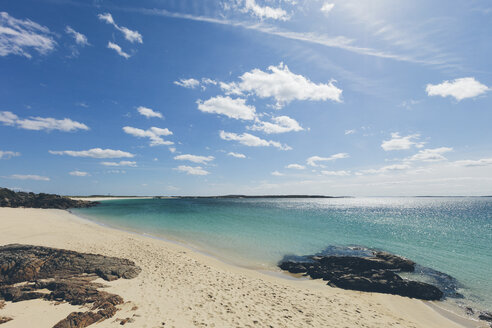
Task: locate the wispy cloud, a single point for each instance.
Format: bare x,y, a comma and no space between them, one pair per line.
296,166
118,50
251,140
236,155
154,134
130,35
279,124
41,123
194,158
148,112
197,170
188,83
20,36
398,142
79,173
93,153
120,163
27,177
7,154
80,38
263,12
431,155
231,107
314,160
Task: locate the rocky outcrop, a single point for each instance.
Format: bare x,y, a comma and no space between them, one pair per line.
376,273
27,272
9,198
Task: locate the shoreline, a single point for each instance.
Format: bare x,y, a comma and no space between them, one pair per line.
201,294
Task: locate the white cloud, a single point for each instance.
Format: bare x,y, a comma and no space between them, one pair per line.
251,140
28,177
132,36
398,142
118,50
473,163
94,153
41,123
296,166
197,170
6,154
265,11
431,155
313,160
347,132
387,168
237,155
340,173
79,173
18,36
116,171
148,112
277,174
283,85
281,124
80,39
154,134
194,158
460,89
327,7
187,83
233,108
120,163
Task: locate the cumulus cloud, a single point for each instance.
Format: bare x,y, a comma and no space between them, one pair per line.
118,50
386,169
132,36
7,154
473,163
188,83
279,124
79,173
41,123
251,140
120,163
28,177
19,36
80,39
263,12
148,112
398,142
194,158
460,89
282,85
233,108
431,155
197,170
327,7
154,134
314,160
340,173
93,153
296,166
277,174
237,155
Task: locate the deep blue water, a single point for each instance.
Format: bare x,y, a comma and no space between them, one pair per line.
451,235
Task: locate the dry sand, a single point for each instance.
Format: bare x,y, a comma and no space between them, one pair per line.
179,287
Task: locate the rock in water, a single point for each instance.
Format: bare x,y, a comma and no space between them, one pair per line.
369,274
68,275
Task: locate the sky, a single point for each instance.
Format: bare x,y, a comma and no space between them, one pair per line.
201,97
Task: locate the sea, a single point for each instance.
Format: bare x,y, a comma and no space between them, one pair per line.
448,235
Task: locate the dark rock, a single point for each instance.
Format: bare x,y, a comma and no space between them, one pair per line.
369,274
67,275
26,263
486,316
4,319
9,198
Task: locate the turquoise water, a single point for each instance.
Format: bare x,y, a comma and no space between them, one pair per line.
452,235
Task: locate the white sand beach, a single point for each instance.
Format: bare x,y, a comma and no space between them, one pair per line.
179,287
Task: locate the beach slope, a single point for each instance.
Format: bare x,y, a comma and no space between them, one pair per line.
179,287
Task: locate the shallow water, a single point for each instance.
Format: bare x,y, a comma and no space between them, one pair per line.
451,235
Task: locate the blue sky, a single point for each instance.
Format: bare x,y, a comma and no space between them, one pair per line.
204,97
